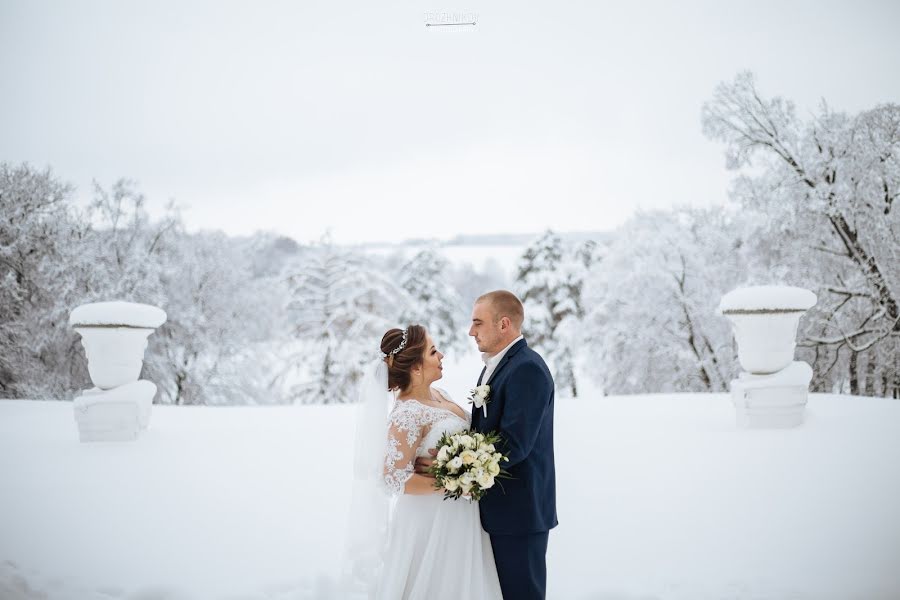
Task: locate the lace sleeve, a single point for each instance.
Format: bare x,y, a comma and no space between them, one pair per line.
404,434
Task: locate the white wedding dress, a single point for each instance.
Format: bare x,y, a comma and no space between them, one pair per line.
436,549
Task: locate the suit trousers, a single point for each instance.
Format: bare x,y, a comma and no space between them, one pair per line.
522,565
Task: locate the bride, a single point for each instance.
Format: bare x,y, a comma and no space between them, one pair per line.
426,547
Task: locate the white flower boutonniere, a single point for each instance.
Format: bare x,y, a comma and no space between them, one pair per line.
480,397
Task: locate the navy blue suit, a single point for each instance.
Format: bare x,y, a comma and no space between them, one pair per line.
520,514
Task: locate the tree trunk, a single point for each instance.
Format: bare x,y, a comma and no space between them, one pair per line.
870,375
326,376
854,378
713,359
689,323
692,342
179,386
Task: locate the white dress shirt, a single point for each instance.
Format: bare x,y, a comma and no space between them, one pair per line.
492,360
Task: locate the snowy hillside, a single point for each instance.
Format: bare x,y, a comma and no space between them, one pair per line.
659,497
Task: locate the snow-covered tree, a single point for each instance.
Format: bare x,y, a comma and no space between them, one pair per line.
435,304
829,185
549,282
39,231
470,283
55,258
128,250
340,306
217,307
651,324
212,349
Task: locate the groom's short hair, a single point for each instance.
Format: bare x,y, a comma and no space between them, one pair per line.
505,304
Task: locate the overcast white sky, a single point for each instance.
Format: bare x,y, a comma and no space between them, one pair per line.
297,117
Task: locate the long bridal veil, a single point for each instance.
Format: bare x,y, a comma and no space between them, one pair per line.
370,502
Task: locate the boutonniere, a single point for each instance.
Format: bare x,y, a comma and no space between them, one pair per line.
480,397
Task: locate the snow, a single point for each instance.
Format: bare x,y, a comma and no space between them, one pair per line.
118,313
660,496
797,373
761,297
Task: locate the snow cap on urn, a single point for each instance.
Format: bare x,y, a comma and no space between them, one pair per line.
117,314
766,299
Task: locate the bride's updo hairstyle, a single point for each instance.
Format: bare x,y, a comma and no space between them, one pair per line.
401,363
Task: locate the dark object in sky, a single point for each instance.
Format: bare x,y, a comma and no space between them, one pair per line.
448,24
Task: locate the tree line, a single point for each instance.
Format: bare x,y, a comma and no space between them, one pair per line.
262,319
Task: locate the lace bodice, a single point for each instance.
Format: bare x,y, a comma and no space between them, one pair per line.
414,428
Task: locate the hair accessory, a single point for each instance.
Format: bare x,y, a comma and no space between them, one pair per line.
400,347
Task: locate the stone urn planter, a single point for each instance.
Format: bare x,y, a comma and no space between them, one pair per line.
114,336
765,320
772,391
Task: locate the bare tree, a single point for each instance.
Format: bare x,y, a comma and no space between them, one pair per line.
651,325
834,178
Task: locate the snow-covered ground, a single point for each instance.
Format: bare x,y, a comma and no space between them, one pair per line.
659,497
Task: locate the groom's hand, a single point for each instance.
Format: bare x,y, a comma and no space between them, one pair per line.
423,464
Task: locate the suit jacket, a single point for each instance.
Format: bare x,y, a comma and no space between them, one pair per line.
520,409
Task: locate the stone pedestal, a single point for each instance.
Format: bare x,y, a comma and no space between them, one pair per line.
114,415
772,401
107,421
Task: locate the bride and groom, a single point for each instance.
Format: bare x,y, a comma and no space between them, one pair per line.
425,547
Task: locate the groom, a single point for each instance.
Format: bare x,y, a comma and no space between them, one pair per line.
518,513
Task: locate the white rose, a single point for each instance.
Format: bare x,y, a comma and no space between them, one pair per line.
444,454
485,480
479,437
451,485
466,441
455,464
468,457
493,468
466,488
466,478
490,448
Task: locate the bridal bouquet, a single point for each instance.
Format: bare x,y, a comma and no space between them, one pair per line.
467,464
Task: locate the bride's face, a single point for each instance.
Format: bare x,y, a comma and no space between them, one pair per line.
432,369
